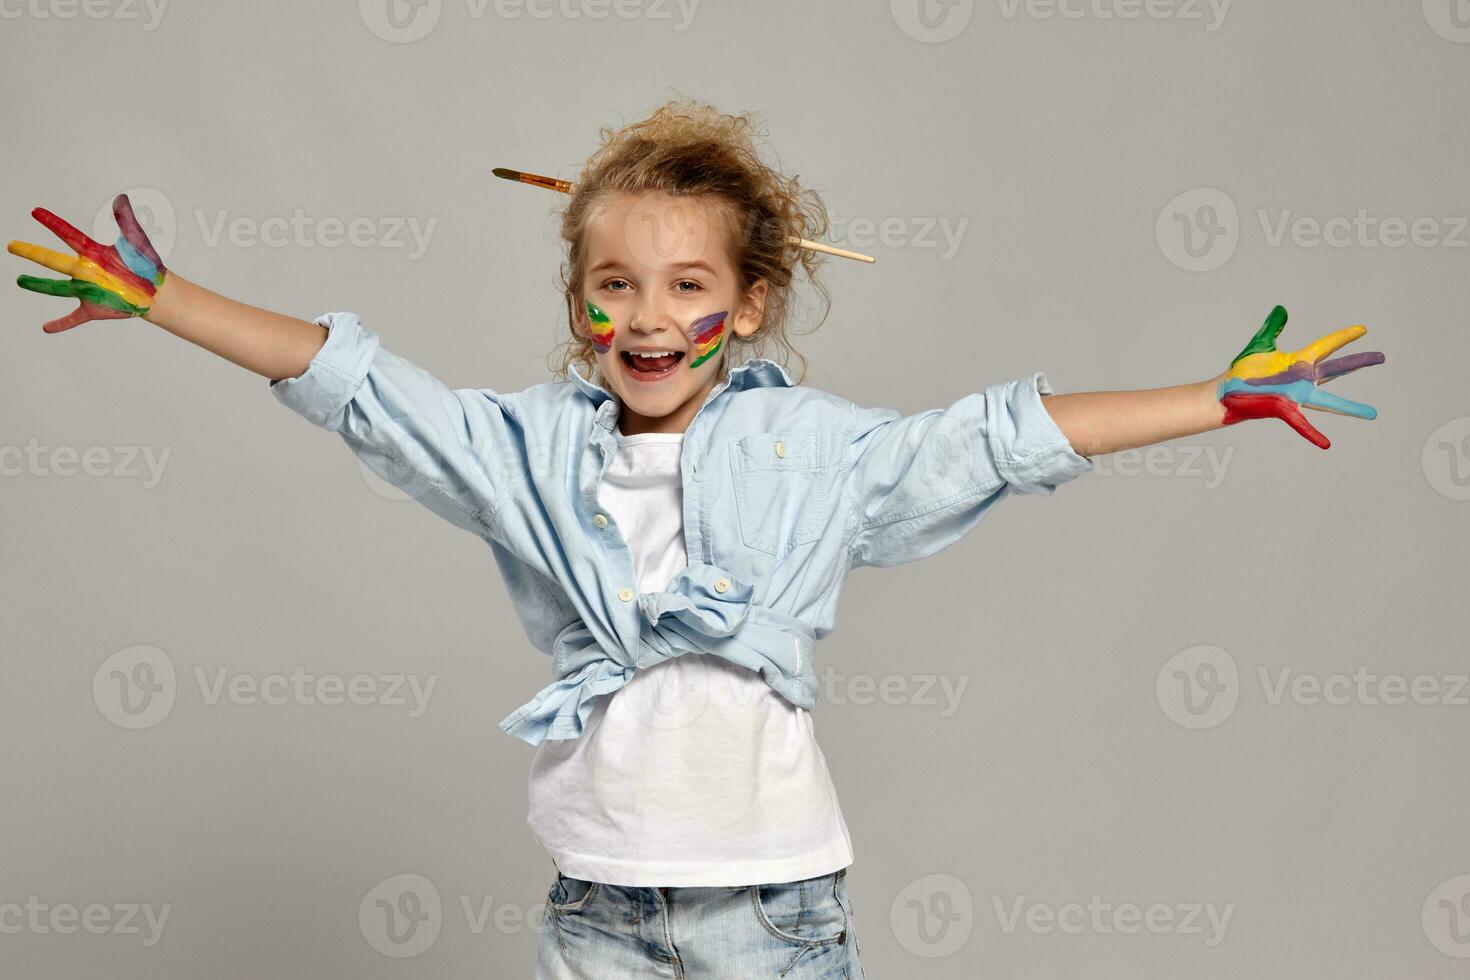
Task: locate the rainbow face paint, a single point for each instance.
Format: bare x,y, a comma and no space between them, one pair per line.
1264,382
707,334
602,329
109,282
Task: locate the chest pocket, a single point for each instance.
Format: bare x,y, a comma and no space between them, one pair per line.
783,488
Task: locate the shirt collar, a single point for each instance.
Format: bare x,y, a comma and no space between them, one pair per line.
756,372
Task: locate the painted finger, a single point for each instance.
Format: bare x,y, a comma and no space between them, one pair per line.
1242,406
1319,373
1303,393
68,265
88,248
1265,338
1300,371
1328,343
135,262
122,212
86,291
84,270
1339,366
76,316
81,269
1292,415
50,287
75,239
83,313
1328,402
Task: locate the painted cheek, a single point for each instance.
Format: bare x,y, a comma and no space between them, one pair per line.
707,334
602,329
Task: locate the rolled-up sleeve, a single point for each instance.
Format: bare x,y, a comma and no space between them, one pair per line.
1031,454
918,483
321,392
439,445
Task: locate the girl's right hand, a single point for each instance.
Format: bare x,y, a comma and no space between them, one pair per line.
109,281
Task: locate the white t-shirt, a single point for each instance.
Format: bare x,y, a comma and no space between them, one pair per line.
695,773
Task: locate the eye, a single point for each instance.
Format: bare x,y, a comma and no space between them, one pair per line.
613,282
688,282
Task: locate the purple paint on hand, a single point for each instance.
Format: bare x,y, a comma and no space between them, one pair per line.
1324,371
122,213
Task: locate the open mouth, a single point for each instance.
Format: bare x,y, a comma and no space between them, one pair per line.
650,368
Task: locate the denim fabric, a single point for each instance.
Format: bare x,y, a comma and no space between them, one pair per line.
799,930
787,488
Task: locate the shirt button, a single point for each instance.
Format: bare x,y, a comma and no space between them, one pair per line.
603,450
600,521
781,449
722,584
625,594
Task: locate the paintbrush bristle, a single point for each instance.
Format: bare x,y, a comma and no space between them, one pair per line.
507,173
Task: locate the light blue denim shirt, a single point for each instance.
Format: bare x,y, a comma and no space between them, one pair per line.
786,489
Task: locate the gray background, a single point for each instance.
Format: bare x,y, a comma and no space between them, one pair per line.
1334,832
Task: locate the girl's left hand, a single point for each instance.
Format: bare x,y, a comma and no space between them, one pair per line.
1263,382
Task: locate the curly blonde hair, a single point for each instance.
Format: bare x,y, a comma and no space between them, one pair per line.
689,148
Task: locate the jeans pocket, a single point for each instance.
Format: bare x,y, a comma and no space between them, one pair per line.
568,895
809,912
783,488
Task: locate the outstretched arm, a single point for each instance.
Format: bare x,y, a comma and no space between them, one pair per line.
1098,422
1262,382
129,279
272,345
453,449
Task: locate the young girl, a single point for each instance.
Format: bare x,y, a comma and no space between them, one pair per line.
674,523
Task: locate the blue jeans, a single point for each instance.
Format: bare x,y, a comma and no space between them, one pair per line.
797,930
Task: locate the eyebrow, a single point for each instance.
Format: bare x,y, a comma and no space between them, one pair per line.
613,264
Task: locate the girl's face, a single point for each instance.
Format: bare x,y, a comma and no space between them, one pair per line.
660,279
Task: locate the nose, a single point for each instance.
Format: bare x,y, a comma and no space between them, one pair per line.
652,317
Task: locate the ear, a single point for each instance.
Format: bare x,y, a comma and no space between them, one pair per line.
748,318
